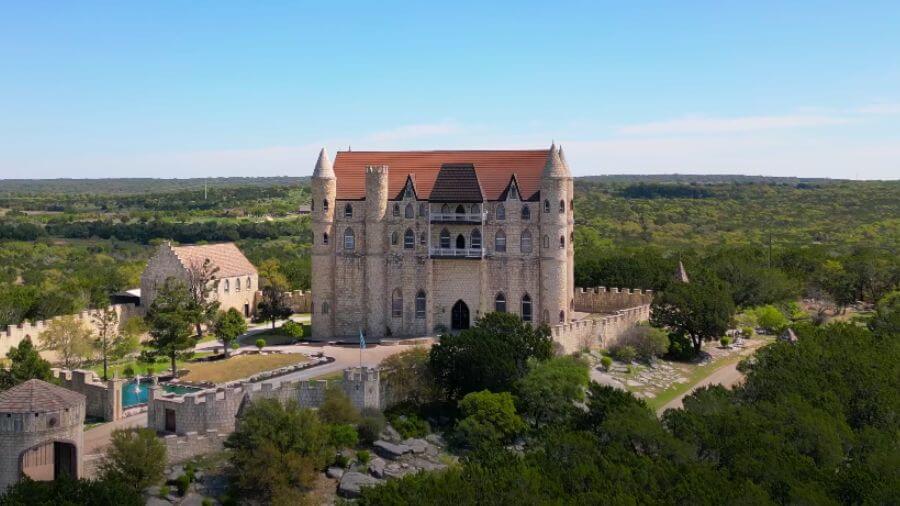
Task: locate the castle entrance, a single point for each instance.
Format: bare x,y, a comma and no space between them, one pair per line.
459,316
49,461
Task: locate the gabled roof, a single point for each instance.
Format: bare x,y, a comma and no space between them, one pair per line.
36,396
493,169
457,183
226,256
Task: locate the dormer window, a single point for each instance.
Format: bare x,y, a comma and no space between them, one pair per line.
513,193
408,192
396,211
348,211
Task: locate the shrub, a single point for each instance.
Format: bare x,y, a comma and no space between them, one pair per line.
135,457
770,318
490,418
343,436
149,370
410,425
163,491
182,483
725,341
67,491
128,371
648,342
624,353
341,461
260,344
606,362
337,408
370,426
292,329
235,345
747,332
363,456
207,502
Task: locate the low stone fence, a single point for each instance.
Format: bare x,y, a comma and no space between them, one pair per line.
192,444
103,399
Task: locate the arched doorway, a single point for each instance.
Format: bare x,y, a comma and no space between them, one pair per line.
49,461
459,316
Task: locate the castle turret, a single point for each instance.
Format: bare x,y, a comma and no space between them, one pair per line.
324,188
376,247
570,228
556,287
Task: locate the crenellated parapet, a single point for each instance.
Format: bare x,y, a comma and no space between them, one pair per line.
605,300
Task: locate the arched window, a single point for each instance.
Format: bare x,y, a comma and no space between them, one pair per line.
500,241
445,209
227,286
325,205
475,239
397,303
525,245
237,285
460,242
475,209
423,209
500,303
572,205
562,206
546,316
409,239
396,210
546,242
423,239
546,206
325,238
325,307
526,308
394,238
348,211
562,242
460,209
349,240
526,213
420,305
562,317
249,283
445,239
409,212
501,212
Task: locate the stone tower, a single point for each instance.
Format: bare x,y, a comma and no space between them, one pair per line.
556,290
570,229
363,387
324,189
376,248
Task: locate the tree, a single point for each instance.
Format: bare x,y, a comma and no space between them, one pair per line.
270,271
135,457
170,317
25,364
770,318
229,325
106,321
278,449
69,338
646,341
548,394
698,311
65,491
886,320
493,355
273,307
407,378
201,278
337,408
488,419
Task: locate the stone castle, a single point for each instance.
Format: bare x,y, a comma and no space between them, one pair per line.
411,243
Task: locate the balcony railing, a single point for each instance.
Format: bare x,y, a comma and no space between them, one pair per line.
460,217
458,252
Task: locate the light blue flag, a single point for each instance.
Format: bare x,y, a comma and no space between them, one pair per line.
362,341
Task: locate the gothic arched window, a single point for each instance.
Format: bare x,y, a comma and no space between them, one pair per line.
460,209
325,205
409,239
562,317
409,212
249,283
397,303
423,209
227,286
395,238
423,239
349,240
348,211
526,308
562,206
325,307
546,242
475,239
420,305
445,209
460,242
500,303
445,239
237,285
396,210
501,212
525,245
546,206
562,242
526,213
325,238
500,241
475,209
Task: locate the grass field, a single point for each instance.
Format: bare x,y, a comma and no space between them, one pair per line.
239,367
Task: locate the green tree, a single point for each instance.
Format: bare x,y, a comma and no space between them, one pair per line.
770,318
488,419
25,364
886,320
337,408
548,393
493,355
106,321
66,491
170,318
699,311
229,325
648,342
69,338
408,377
277,450
135,457
273,307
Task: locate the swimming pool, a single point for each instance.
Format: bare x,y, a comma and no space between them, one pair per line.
134,393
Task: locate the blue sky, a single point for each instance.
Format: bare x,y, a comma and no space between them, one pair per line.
195,89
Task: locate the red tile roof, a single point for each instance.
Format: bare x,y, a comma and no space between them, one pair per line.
36,396
494,169
226,256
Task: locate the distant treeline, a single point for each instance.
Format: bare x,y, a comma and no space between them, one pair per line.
145,232
136,186
665,191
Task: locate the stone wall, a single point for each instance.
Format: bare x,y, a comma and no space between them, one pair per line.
103,399
192,444
598,330
606,301
12,335
217,409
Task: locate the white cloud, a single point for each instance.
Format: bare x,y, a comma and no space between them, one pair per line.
712,125
880,109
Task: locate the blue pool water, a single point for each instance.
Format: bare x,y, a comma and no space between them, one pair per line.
139,395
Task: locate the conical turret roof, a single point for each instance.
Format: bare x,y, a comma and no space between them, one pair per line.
36,396
555,166
324,168
681,274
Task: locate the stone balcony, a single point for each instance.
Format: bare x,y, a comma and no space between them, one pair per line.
458,217
475,253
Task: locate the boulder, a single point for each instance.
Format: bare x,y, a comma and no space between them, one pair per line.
390,434
417,445
174,472
436,440
335,473
376,467
192,499
156,501
352,483
390,450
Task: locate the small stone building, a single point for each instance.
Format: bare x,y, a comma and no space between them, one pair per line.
41,432
235,283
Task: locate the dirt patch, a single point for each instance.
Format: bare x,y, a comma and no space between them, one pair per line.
239,367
